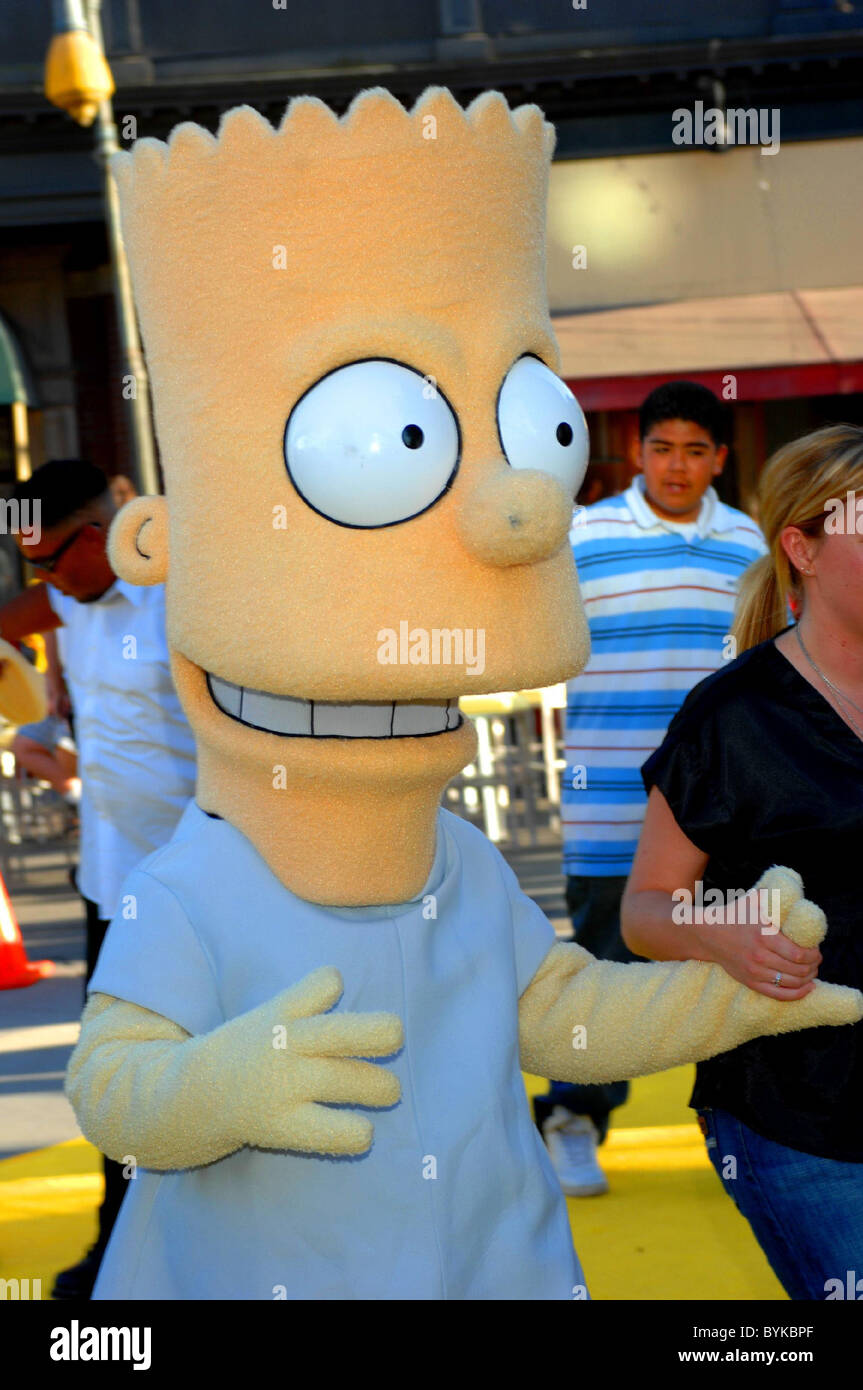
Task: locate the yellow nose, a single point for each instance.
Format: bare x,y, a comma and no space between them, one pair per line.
516,517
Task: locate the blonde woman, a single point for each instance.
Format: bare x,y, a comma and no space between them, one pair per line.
763,765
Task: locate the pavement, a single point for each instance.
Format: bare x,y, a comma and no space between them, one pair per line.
39,1024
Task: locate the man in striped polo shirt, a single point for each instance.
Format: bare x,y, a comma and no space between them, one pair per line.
659,567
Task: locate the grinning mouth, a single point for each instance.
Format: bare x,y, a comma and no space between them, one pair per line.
296,718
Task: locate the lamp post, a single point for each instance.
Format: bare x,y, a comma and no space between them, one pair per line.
79,81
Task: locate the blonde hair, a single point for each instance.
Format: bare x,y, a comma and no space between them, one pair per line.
794,490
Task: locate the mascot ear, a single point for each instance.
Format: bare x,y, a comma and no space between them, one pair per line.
138,541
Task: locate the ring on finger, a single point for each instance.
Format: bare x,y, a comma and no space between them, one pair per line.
777,978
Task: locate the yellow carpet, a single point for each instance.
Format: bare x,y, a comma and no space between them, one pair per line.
666,1230
48,1203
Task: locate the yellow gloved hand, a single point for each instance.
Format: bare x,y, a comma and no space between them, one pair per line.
143,1087
585,1020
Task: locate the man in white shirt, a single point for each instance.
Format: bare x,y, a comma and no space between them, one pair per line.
136,752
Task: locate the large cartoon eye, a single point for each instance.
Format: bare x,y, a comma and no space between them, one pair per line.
541,425
371,444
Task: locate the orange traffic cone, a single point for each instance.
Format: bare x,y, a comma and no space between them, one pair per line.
15,969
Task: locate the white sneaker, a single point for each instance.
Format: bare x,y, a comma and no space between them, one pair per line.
571,1141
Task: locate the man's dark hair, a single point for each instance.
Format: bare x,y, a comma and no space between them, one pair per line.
686,400
63,487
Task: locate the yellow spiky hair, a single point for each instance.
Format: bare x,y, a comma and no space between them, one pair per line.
432,210
375,124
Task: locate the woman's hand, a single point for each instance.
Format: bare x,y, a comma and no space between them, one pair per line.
755,957
753,951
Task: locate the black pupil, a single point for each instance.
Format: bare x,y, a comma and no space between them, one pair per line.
564,433
412,436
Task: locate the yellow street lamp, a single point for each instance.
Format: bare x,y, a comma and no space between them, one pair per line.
77,77
78,80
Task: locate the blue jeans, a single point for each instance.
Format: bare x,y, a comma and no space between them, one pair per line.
805,1212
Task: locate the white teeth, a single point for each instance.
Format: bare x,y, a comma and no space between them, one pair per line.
353,721
285,714
226,695
419,719
281,714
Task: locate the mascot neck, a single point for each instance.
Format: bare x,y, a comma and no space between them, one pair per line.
344,823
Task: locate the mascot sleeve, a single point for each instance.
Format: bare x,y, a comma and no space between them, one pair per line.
585,1020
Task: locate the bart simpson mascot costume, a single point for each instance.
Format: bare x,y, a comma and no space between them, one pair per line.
361,426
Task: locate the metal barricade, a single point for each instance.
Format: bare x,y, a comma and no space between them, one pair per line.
32,817
512,790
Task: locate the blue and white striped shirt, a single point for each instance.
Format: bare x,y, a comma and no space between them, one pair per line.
659,598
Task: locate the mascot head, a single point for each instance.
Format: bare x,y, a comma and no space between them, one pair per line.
370,462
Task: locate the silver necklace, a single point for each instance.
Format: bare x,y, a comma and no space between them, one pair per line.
844,700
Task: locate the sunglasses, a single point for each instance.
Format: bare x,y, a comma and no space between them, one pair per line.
48,563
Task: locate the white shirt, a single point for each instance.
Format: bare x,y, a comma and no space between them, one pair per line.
714,517
136,751
457,1197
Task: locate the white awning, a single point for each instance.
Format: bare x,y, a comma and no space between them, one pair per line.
795,328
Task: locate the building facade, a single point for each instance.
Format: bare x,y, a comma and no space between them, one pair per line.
735,260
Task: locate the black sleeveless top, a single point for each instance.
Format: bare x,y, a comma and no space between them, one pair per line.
759,769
